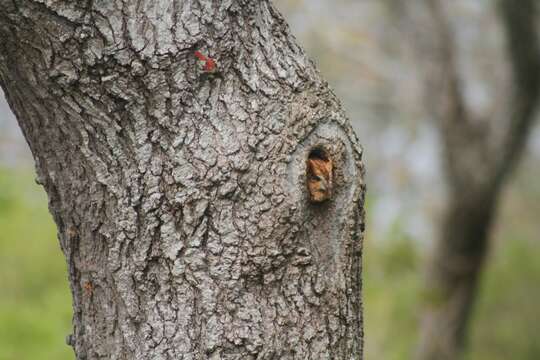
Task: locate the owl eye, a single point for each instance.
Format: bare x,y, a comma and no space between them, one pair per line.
316,177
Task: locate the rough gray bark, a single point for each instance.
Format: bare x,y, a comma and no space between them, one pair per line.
179,195
479,155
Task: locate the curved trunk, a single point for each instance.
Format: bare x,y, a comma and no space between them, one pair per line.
172,139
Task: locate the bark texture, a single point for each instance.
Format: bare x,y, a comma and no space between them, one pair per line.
180,196
480,153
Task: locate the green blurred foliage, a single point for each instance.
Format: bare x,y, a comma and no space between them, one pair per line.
35,304
506,317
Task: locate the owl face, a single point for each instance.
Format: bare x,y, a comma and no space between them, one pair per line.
319,178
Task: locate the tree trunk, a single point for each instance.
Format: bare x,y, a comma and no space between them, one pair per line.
453,276
479,155
172,138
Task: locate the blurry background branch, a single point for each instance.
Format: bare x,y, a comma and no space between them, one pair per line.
520,25
479,154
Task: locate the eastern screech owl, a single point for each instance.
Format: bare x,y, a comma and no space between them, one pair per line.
319,179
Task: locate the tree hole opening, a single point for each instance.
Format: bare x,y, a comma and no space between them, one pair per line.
319,174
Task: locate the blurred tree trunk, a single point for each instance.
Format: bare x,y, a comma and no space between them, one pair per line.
479,155
179,186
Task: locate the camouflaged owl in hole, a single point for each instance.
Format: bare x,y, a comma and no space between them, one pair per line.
319,177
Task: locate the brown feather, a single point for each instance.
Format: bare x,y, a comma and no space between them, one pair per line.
319,179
